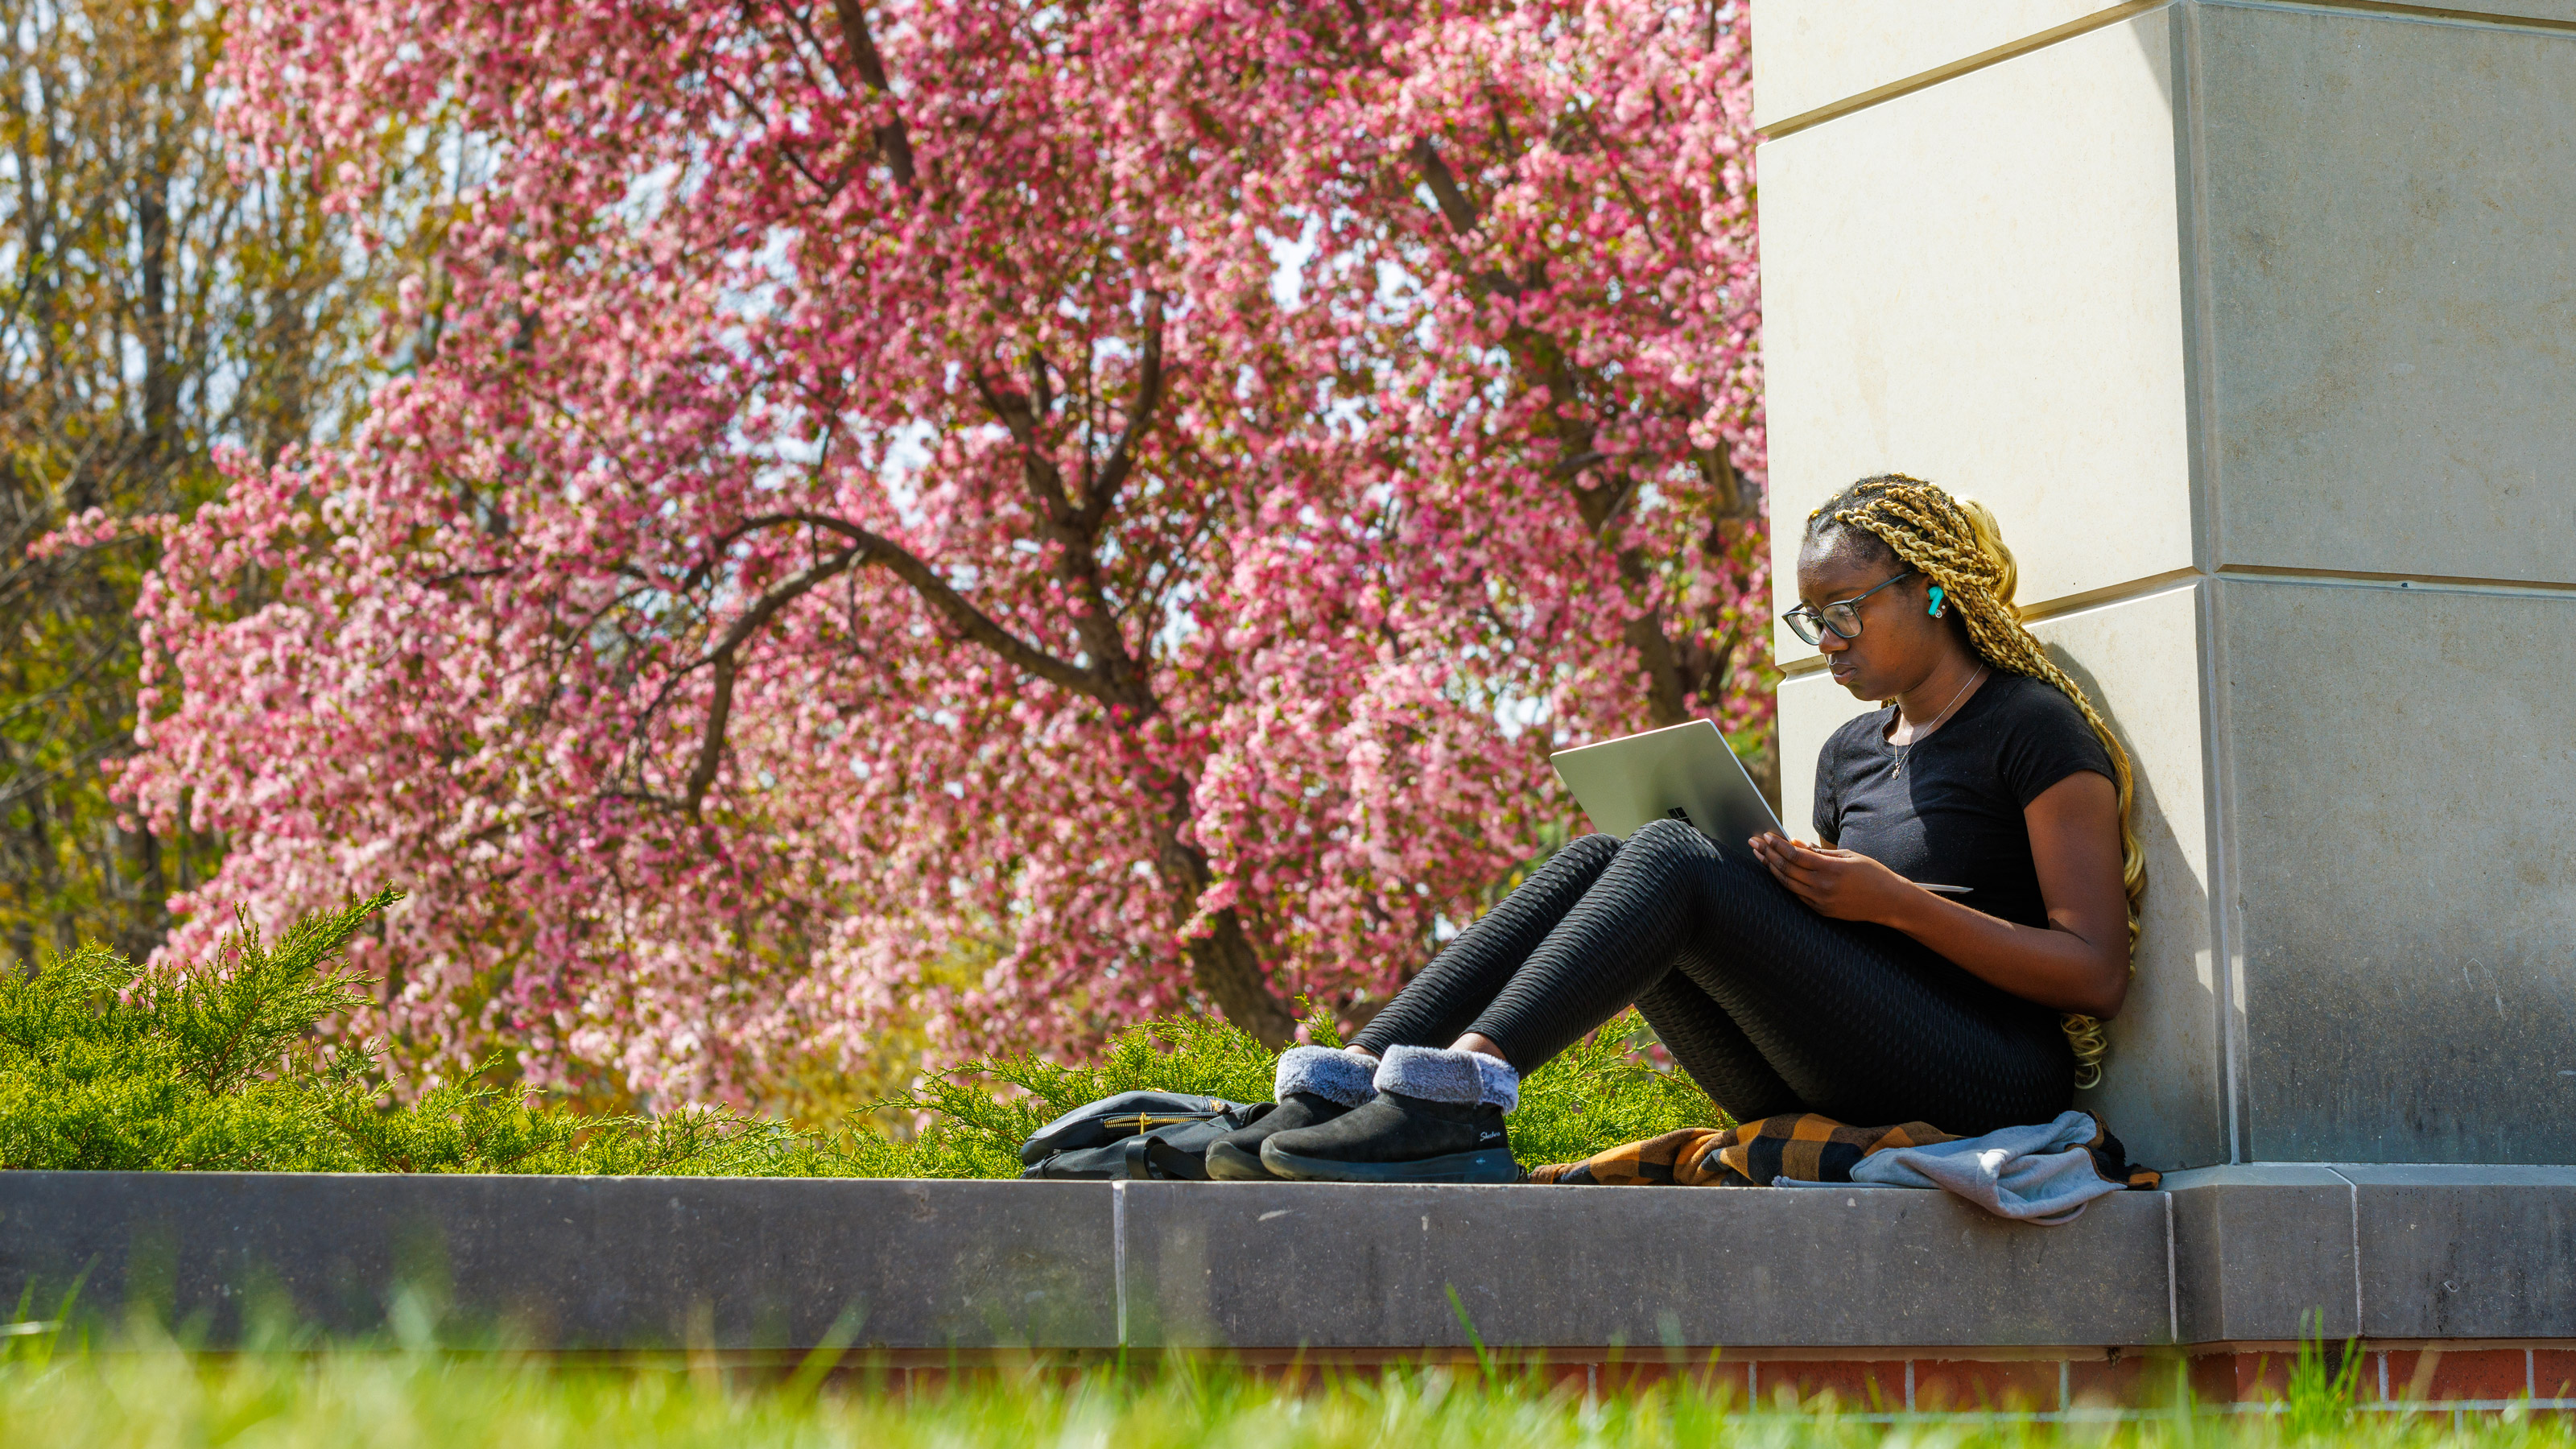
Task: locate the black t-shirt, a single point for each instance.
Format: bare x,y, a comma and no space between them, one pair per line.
1955,816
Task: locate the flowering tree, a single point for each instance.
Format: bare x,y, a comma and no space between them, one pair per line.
1027,515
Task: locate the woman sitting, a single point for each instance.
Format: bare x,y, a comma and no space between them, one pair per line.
1784,976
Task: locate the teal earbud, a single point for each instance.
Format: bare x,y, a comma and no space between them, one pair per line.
1939,603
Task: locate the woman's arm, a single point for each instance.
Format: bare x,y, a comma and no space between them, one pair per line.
2079,963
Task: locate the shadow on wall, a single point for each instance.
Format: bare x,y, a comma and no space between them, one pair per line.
2161,1083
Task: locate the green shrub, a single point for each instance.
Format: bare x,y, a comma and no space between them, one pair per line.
104,1065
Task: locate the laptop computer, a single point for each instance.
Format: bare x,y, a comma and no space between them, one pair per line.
1684,772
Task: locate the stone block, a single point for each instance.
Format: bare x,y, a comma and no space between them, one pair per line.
1808,1291
2263,1253
2546,15
1979,284
2466,1252
2245,291
2164,1086
2391,291
1813,54
2405,907
1809,54
1258,1265
576,1262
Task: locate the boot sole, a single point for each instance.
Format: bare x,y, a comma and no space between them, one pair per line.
1229,1163
1492,1165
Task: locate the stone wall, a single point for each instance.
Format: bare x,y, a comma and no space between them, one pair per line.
2255,323
2459,1282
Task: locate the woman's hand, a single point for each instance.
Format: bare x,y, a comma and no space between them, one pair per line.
1842,884
2079,961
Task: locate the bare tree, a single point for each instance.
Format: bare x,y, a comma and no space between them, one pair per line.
153,304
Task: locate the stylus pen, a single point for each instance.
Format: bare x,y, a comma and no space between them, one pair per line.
1945,890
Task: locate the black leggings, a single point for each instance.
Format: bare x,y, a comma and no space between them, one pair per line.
1770,1007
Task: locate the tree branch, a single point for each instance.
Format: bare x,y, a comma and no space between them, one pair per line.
893,141
872,548
1075,527
1457,210
1019,415
720,710
1454,205
1140,416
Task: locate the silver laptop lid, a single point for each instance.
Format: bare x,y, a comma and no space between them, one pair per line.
1685,772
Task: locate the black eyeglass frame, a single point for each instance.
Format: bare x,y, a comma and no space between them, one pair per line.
1809,624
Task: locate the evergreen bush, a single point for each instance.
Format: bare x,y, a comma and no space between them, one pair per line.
216,1066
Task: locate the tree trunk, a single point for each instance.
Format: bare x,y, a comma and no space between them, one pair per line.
1229,970
148,918
1223,962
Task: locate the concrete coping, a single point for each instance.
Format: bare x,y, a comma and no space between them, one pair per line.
2260,1254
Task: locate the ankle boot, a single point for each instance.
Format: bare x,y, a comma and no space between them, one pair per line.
1437,1117
1313,1085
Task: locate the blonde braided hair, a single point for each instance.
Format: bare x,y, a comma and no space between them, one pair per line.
1955,543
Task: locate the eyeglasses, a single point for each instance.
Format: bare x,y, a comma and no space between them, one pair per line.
1843,618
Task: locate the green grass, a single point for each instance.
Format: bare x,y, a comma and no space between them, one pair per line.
148,1395
217,1066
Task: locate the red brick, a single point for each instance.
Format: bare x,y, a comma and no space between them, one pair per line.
1719,1378
1636,1378
2236,1378
2213,1378
1973,1384
930,1383
1606,1377
1568,1377
2553,1373
2436,1375
1853,1383
1301,1377
2120,1383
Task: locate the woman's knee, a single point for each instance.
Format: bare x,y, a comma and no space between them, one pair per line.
1670,838
1720,879
1590,853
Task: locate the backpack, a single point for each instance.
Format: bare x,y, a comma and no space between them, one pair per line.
1138,1135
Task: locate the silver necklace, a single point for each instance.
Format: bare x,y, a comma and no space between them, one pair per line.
1907,748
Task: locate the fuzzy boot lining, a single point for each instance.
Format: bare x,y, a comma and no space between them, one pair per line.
1335,1076
1438,1075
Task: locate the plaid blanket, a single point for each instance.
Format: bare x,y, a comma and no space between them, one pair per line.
1804,1147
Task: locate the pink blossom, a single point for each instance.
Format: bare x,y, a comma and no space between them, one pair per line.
1025,519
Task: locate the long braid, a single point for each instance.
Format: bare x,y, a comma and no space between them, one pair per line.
1955,543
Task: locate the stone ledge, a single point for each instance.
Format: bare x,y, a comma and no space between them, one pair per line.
2379,1251
567,1262
1338,1266
2225,1256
